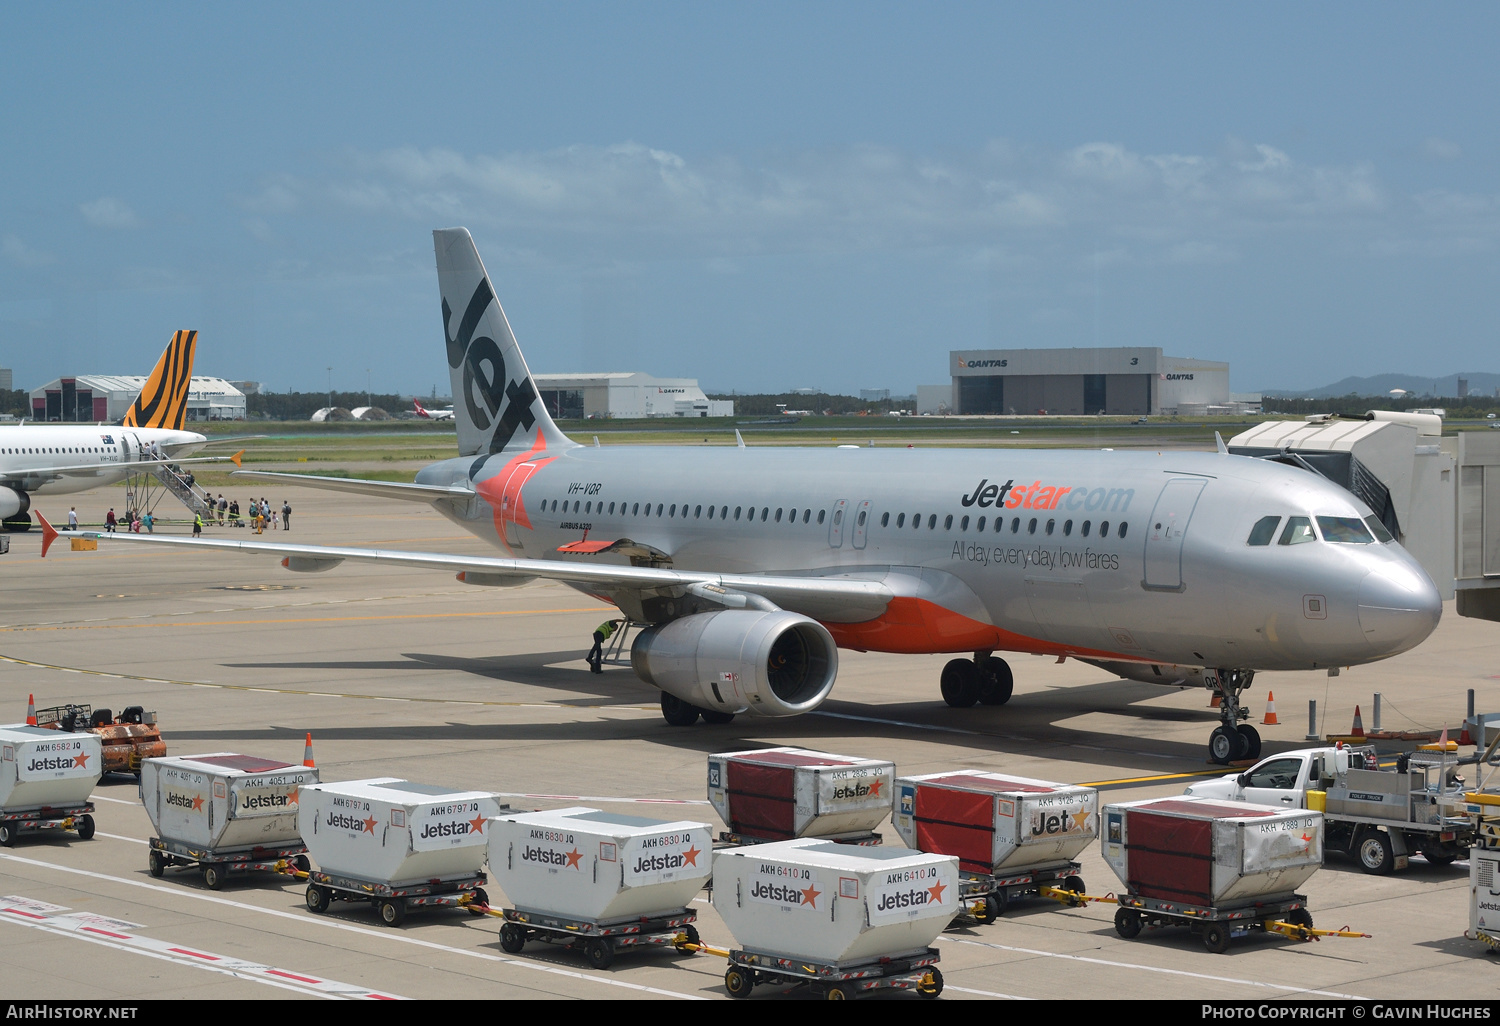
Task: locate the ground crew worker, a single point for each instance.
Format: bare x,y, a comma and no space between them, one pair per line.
197,525
601,635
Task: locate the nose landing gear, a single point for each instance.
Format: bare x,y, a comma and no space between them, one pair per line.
985,679
1231,741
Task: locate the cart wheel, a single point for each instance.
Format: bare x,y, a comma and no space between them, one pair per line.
1127,923
931,985
838,992
691,933
1375,855
512,938
989,909
213,877
7,835
317,899
599,951
479,904
85,827
155,863
1074,884
392,913
1216,937
1300,917
738,982
303,864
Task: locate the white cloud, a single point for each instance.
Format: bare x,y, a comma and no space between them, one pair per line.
108,212
22,255
1440,149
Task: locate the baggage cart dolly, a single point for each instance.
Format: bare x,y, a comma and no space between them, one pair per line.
734,839
599,940
986,896
1216,925
216,865
65,817
392,903
915,970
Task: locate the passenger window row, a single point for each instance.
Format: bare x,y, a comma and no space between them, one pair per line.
1339,530
1085,529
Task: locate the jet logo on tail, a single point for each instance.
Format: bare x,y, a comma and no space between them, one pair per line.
485,386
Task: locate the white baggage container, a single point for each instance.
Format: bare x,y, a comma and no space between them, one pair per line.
45,768
995,823
224,801
834,903
598,866
1210,853
781,793
392,831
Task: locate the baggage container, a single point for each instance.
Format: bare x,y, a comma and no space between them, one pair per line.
224,801
995,823
1211,853
599,866
395,832
776,794
41,768
834,904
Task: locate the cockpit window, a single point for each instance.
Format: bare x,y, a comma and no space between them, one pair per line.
1378,529
1298,530
1263,531
1344,530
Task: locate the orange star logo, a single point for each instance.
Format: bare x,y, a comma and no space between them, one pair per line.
573,857
197,803
81,760
691,856
476,825
369,825
292,798
936,892
810,896
1081,820
875,788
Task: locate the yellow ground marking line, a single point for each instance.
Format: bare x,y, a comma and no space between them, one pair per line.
302,691
297,619
1156,778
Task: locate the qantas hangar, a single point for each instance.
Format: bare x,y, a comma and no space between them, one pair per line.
1131,381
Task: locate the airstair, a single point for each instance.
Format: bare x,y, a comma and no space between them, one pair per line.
148,481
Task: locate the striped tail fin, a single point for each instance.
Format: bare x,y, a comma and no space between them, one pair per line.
164,398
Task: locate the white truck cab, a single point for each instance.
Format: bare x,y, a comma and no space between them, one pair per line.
1284,780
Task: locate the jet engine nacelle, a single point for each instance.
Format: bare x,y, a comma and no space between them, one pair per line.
773,663
13,504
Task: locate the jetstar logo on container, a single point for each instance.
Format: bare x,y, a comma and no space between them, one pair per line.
1058,821
666,860
58,762
343,821
185,801
903,893
251,801
856,790
552,857
785,895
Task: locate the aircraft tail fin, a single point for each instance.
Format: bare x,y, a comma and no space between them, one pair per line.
164,398
495,402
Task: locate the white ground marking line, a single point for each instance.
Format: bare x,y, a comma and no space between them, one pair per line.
253,972
386,934
114,801
985,993
1157,969
120,837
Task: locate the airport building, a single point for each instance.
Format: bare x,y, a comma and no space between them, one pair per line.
95,398
626,395
1130,381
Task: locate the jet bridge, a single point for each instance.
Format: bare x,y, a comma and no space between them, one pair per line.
1440,496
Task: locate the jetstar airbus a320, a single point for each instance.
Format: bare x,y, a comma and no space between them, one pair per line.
751,567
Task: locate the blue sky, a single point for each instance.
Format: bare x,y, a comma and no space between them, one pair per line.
762,196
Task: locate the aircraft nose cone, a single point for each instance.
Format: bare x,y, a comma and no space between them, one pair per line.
1398,608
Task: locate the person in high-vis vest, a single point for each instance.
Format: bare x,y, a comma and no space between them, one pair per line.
601,635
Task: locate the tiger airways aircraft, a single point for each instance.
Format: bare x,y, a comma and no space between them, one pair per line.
54,459
749,568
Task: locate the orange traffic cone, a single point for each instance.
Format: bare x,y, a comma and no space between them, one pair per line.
307,756
30,710
1215,700
1271,710
1358,730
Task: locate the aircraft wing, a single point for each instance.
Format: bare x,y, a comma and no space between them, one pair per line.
31,476
361,486
843,598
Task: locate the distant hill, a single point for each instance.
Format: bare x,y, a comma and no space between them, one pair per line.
1381,384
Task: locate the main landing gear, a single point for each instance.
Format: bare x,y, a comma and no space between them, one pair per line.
1231,741
678,713
985,679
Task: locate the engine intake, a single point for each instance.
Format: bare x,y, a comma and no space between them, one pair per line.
772,663
14,504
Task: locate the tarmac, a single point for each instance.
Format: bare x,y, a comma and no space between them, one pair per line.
412,674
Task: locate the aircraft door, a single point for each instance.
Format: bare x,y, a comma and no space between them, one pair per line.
1166,530
861,524
836,525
